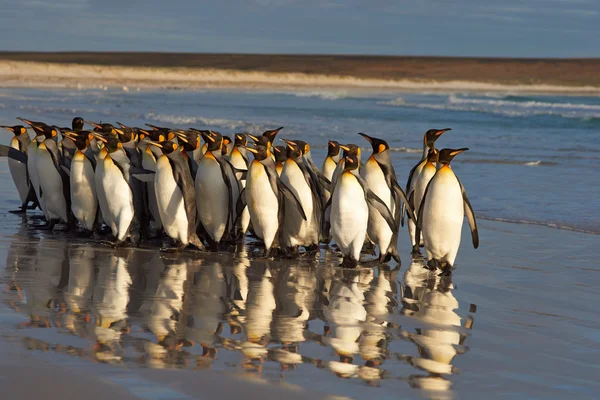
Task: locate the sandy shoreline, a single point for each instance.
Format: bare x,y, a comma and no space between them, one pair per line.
131,77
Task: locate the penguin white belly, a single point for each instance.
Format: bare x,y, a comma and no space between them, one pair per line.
212,198
34,177
100,193
238,162
412,226
51,185
84,202
420,185
169,200
328,170
378,230
443,215
18,171
297,231
149,163
349,215
262,203
120,202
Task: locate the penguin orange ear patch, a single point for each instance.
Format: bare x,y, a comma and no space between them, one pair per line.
381,148
175,146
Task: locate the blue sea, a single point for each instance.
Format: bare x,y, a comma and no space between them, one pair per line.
532,158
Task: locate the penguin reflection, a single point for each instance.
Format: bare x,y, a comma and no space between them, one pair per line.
80,289
439,340
346,314
294,291
111,297
206,307
259,311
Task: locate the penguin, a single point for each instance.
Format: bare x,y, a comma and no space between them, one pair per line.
115,195
351,202
175,196
190,140
264,195
429,139
334,153
239,160
32,157
441,214
227,146
266,139
217,191
84,200
67,146
53,181
149,158
280,153
299,231
17,164
378,172
420,184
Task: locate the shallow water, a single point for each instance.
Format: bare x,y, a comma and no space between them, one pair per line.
519,317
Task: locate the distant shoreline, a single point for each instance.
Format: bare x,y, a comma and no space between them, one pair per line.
172,70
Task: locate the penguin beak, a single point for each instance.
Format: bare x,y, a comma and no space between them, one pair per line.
252,150
28,122
70,134
366,137
153,127
118,131
100,137
271,134
441,132
156,144
345,148
93,124
123,126
7,127
252,137
458,151
181,136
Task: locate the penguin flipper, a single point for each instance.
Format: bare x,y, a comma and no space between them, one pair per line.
407,204
66,170
289,195
7,151
375,202
470,214
230,206
240,206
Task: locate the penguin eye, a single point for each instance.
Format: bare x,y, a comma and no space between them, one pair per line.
381,148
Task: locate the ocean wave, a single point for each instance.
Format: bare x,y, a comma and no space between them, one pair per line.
324,95
398,101
454,99
542,223
231,124
405,150
36,74
511,162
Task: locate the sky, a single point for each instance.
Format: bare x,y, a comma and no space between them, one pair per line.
504,28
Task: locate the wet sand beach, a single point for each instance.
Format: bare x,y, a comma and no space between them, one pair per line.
517,319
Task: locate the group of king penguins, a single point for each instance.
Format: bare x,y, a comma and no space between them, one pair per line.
202,189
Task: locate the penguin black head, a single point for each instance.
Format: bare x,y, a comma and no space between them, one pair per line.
432,135
260,140
351,162
432,155
80,138
225,147
333,148
164,130
214,140
77,124
446,155
111,142
189,140
280,153
50,132
260,152
270,135
240,140
38,127
350,149
379,145
17,129
167,147
293,150
125,134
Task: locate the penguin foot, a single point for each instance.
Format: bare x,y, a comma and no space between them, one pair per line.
416,251
349,262
431,265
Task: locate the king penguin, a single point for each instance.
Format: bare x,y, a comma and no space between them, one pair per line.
441,214
264,195
429,139
239,159
32,157
175,196
299,230
334,154
54,182
380,176
216,195
351,202
112,181
17,164
84,200
280,153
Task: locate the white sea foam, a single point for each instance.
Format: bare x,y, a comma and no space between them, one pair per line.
16,73
230,124
454,99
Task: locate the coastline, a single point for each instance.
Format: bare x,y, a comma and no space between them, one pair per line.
368,74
